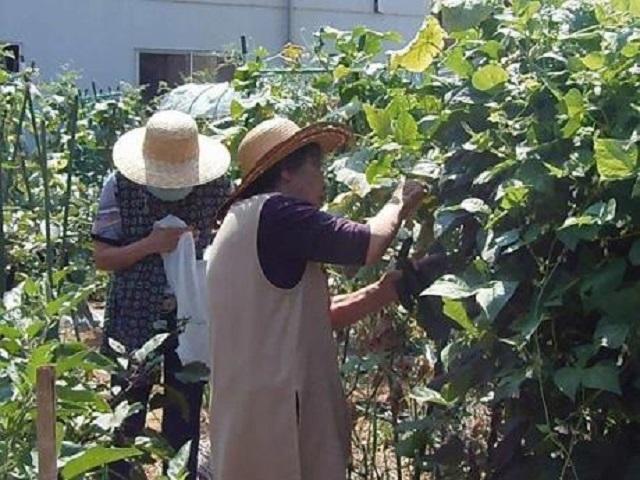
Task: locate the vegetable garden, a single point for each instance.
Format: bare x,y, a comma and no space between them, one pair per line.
521,361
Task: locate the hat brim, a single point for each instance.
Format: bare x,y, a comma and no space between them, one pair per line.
212,162
330,137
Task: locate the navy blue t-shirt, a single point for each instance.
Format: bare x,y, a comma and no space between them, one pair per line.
292,232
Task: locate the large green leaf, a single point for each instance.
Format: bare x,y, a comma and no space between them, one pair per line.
611,333
178,465
450,286
405,129
420,53
568,380
96,457
379,120
615,159
489,77
455,310
602,377
427,395
494,296
458,64
459,15
629,6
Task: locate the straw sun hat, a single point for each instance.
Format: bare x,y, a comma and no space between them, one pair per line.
272,140
169,153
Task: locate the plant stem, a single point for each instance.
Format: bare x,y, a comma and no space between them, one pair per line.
16,146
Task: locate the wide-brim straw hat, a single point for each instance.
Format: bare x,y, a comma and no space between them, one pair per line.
273,140
169,153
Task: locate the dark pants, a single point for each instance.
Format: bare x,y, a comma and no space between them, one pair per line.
180,414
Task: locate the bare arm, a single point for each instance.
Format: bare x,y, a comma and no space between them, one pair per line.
384,226
113,259
347,309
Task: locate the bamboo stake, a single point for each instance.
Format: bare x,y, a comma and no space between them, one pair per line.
73,124
34,122
46,422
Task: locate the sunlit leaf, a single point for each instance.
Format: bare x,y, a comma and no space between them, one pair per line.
420,53
489,77
615,159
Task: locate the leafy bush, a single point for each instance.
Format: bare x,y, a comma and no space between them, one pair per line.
523,118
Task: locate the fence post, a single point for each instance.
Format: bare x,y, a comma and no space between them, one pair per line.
46,423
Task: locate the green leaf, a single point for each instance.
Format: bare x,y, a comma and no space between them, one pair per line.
96,457
631,49
567,380
178,465
426,395
574,102
493,297
594,61
149,347
629,6
615,159
489,77
405,129
602,377
450,286
420,53
340,72
610,333
460,15
379,168
68,363
42,355
458,64
455,311
514,196
82,396
492,48
379,121
237,109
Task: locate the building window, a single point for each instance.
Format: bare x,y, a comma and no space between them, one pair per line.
12,61
174,67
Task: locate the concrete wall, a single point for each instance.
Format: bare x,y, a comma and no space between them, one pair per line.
101,38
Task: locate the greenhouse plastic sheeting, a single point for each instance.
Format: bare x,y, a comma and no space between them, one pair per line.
211,100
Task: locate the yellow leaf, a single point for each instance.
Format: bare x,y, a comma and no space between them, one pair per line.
340,72
292,52
419,54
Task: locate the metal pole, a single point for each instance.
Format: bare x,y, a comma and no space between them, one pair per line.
289,18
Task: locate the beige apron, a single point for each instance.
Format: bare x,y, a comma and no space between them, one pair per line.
278,409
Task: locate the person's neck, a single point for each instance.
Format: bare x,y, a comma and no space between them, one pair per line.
284,189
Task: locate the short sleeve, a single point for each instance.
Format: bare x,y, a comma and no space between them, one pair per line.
107,225
292,232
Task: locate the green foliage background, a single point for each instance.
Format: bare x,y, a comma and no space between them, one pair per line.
523,118
520,362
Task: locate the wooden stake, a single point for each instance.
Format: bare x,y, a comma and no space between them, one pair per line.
46,423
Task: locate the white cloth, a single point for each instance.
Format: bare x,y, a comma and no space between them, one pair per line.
186,277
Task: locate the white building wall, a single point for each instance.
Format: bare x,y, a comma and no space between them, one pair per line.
101,38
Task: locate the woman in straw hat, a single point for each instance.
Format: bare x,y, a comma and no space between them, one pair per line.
164,168
278,411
